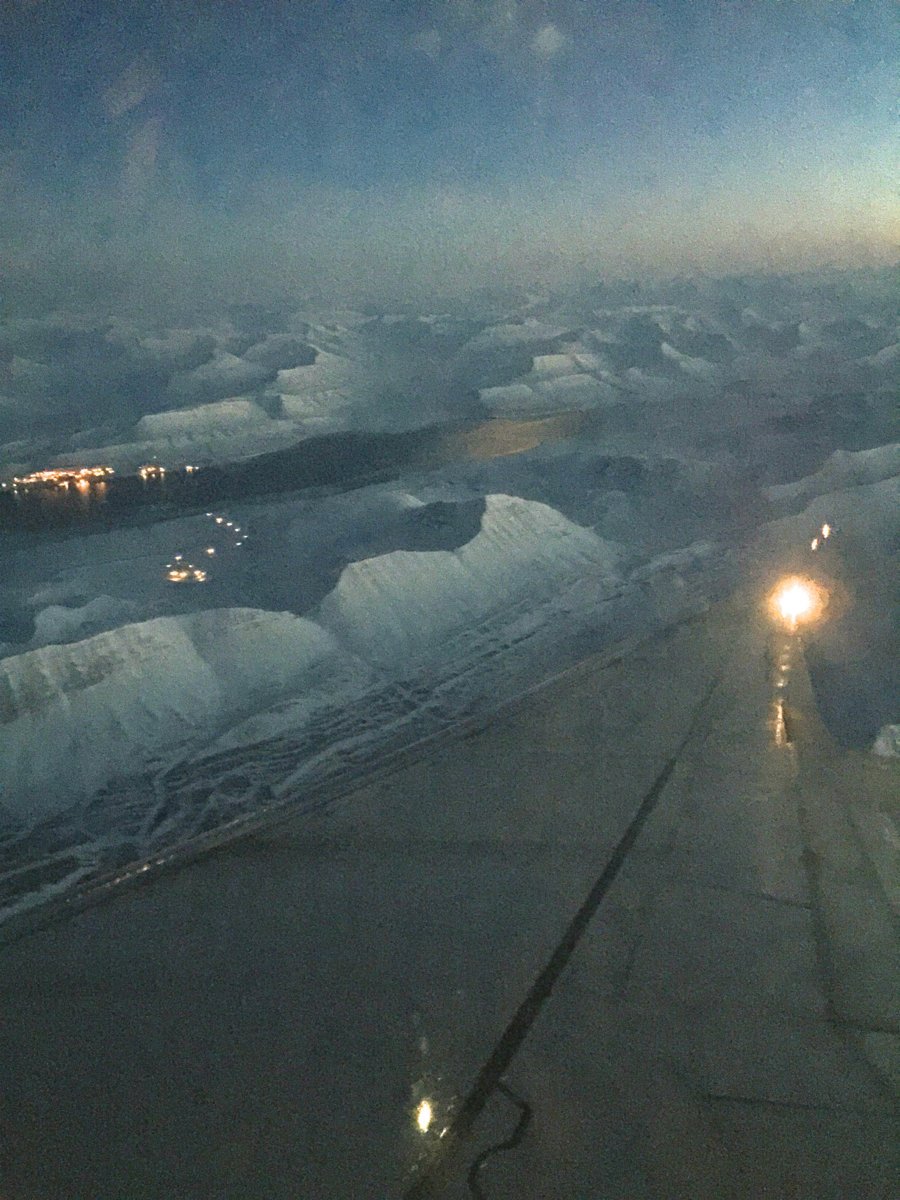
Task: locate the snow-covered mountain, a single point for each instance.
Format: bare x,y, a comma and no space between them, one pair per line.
342,622
841,471
404,604
136,698
298,373
74,718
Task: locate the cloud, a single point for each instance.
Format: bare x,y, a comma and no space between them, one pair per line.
549,41
500,24
140,161
427,42
130,89
173,256
513,31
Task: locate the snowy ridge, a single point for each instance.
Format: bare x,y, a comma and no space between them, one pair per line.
124,701
404,604
524,333
218,418
320,390
59,623
141,697
843,469
167,730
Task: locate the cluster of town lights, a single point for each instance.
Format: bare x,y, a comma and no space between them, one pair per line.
151,471
157,471
63,477
84,477
180,571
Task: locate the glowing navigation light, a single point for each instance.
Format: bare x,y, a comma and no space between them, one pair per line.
424,1116
797,600
210,549
814,544
826,530
220,520
794,601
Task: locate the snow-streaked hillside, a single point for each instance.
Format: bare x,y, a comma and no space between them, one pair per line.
137,696
59,623
222,417
510,548
135,700
404,604
318,395
841,471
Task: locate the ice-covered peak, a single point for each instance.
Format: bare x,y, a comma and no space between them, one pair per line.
520,334
201,420
404,604
64,623
123,701
843,469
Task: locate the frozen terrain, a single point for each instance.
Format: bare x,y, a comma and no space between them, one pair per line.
402,606
331,626
144,695
813,349
134,698
165,728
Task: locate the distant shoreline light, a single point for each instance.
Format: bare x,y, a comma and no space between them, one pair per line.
157,471
83,477
151,471
63,476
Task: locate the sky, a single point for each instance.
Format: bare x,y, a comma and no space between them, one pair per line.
370,148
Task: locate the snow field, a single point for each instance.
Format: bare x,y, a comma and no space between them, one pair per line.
75,717
130,700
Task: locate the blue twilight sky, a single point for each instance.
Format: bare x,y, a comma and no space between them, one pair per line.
367,146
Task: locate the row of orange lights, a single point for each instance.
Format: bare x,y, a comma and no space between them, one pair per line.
180,571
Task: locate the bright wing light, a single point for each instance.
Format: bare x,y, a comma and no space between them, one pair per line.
794,601
797,600
424,1116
